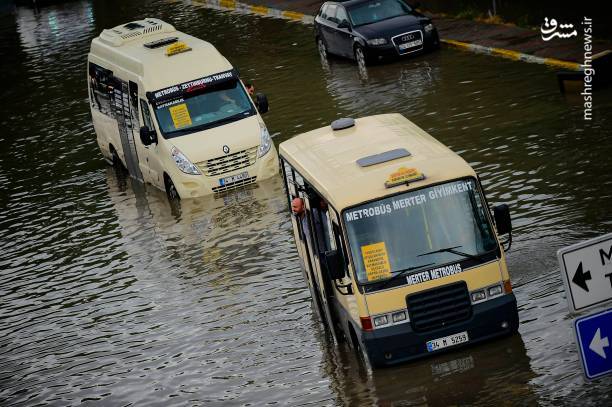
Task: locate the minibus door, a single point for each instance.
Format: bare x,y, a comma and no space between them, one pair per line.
123,113
149,155
316,269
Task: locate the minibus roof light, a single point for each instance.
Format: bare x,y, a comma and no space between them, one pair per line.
383,157
342,123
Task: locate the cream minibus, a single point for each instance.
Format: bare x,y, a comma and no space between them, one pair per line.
396,239
173,111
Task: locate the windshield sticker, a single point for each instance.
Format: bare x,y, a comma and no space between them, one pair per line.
178,90
376,261
180,116
434,274
170,103
399,203
443,191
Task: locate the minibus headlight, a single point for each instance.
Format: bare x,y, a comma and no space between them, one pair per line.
495,290
478,295
265,143
399,316
183,163
381,320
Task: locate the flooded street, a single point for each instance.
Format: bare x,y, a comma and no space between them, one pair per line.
110,295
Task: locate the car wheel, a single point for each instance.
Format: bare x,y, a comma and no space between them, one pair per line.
171,191
322,47
360,56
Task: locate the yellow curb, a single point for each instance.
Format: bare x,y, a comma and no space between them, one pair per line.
506,53
457,44
228,3
259,10
293,15
575,66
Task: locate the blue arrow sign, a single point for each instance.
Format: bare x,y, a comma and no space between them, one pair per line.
594,333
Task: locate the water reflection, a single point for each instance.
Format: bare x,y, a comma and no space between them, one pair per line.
383,86
485,375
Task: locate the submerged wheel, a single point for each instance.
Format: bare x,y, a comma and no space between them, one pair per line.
322,47
359,350
171,190
115,160
360,56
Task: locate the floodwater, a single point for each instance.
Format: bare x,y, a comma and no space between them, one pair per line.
110,296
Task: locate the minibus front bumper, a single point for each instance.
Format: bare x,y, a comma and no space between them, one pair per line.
400,343
192,186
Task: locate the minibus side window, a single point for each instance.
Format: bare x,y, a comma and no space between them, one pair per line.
340,245
293,184
135,119
100,87
321,224
146,115
290,187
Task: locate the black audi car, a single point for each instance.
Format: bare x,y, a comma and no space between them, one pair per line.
369,30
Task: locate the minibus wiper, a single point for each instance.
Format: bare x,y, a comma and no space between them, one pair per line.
399,274
457,252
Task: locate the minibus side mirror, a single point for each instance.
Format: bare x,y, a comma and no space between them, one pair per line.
147,136
333,264
501,213
261,101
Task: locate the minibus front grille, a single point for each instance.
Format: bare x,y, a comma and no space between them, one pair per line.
234,185
228,163
439,307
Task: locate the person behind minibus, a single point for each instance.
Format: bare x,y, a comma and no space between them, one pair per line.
297,207
250,88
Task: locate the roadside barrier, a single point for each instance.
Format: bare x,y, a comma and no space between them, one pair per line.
308,19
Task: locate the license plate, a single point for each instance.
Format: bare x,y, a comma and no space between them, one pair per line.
411,44
234,178
451,340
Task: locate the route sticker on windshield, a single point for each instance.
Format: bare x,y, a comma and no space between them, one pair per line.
376,261
180,115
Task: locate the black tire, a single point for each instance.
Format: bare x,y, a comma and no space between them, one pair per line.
116,161
322,48
360,352
171,190
360,56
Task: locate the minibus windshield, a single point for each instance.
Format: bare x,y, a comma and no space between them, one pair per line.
207,108
428,227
